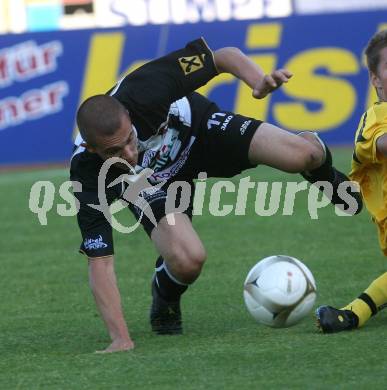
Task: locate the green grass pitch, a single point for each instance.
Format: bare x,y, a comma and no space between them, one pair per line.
49,326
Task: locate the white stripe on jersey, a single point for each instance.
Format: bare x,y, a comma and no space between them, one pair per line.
182,109
78,141
115,89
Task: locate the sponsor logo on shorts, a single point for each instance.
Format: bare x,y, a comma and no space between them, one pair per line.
226,122
244,126
94,243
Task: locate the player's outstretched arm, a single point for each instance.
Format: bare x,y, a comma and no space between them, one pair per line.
103,284
232,60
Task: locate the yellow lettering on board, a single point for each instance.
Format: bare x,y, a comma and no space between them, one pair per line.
223,78
264,36
102,64
336,96
259,36
132,67
245,104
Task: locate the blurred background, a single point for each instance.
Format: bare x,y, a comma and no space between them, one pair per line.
55,53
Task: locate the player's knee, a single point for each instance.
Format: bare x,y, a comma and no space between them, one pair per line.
193,263
308,156
313,150
189,262
312,157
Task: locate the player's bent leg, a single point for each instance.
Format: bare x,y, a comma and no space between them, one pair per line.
180,246
282,150
180,263
307,154
358,312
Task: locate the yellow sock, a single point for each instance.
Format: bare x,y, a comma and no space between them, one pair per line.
361,309
377,290
367,304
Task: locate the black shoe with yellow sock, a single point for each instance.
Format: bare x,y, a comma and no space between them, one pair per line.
331,320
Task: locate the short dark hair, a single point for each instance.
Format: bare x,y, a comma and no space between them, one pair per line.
372,51
99,115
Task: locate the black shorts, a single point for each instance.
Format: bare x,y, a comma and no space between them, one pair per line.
222,146
220,150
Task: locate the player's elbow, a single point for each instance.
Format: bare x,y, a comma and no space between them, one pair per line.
224,56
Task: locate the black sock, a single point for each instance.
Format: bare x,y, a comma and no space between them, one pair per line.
168,286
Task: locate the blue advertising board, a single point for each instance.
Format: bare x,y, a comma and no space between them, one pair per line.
45,76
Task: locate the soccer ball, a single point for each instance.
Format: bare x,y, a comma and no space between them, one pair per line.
279,291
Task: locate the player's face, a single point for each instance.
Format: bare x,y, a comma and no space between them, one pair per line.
379,80
122,144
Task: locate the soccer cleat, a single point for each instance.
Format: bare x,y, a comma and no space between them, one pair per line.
165,317
331,320
340,177
336,200
327,172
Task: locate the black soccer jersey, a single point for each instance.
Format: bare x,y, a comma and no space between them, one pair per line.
166,114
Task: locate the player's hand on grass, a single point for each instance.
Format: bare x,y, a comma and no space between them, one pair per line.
271,82
118,345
